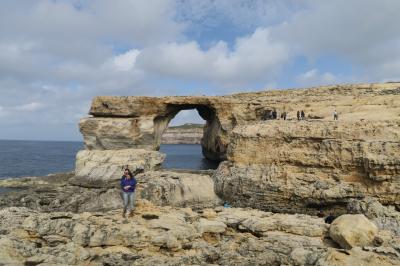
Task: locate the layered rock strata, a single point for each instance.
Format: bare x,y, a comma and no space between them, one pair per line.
315,165
185,134
311,165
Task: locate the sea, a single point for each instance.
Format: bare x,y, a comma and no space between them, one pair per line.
39,158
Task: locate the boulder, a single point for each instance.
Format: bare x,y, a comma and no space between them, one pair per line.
109,164
385,217
352,230
178,189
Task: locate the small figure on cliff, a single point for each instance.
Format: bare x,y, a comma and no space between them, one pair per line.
335,115
128,185
274,114
298,115
283,115
303,115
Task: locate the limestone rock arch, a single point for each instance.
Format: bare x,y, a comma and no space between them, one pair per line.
139,122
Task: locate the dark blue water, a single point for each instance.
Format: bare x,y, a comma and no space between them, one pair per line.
38,158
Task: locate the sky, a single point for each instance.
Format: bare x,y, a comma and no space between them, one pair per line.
56,55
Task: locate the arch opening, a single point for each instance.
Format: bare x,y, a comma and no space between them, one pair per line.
208,147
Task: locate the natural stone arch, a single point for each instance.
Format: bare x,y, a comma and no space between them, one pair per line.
138,122
212,148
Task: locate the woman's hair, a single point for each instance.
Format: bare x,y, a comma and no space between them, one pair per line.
129,172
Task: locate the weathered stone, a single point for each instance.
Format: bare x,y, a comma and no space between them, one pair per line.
356,256
173,236
351,230
311,166
386,218
207,226
178,189
109,164
185,134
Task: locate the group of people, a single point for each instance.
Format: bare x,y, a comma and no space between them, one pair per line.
273,114
301,115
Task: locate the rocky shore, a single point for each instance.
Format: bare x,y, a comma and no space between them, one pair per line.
50,221
286,192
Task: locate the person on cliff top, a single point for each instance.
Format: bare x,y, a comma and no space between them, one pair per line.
128,186
298,115
303,115
274,114
335,115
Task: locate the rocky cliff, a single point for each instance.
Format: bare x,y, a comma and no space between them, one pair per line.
312,165
184,134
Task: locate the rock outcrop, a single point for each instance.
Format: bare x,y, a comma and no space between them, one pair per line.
184,134
179,189
310,166
108,165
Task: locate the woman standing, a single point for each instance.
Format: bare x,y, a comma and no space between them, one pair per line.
128,185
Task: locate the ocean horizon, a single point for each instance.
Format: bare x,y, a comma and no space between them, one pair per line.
23,158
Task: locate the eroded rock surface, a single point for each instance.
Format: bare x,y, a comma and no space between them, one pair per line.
109,164
185,134
171,236
178,189
309,166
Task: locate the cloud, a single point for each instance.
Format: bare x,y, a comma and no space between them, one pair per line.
314,77
126,61
254,57
363,33
56,55
187,116
29,107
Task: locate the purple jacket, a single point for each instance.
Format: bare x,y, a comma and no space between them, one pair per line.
128,182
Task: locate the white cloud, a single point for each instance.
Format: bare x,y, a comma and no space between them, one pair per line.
254,57
56,55
126,61
363,33
314,77
29,107
187,116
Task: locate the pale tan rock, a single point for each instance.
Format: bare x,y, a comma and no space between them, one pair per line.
207,226
355,257
352,230
173,236
185,134
178,189
209,214
110,164
312,166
